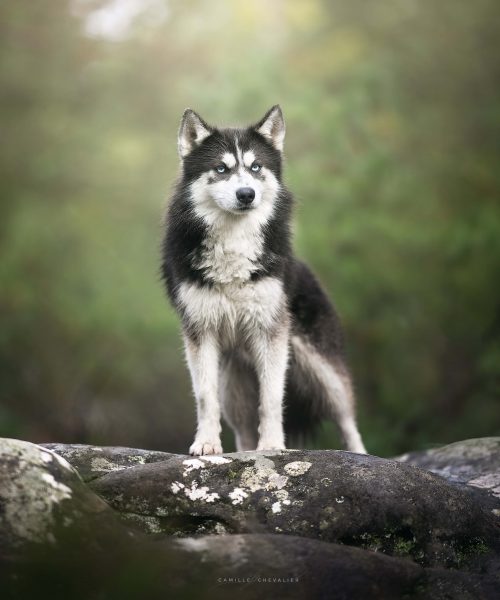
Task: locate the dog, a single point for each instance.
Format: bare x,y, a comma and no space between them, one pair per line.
264,345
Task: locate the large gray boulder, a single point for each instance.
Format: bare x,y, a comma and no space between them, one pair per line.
474,462
249,566
313,569
333,496
42,497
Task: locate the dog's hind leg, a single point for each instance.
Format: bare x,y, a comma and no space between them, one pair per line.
341,403
239,391
336,393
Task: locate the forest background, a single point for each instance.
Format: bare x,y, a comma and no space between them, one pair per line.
393,154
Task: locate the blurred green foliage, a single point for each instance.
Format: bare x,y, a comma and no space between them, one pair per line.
393,116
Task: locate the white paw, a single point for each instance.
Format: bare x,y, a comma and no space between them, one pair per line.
268,445
202,448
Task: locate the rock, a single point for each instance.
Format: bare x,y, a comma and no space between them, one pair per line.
333,496
356,526
474,462
309,568
251,566
42,498
93,461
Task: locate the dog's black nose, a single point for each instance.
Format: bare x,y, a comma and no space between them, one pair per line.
245,195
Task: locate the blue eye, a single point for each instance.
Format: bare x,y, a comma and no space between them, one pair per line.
255,167
221,169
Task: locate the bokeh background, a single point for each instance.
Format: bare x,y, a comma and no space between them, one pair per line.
393,115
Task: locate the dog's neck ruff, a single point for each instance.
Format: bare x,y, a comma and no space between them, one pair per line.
233,244
231,249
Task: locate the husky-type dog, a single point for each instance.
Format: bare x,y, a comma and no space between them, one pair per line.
263,343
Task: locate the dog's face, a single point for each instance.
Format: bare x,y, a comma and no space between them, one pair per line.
233,170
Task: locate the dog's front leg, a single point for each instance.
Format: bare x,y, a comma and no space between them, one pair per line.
271,358
203,360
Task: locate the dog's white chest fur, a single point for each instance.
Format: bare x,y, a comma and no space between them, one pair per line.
231,250
233,310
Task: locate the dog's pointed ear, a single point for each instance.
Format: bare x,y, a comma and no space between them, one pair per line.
272,127
192,132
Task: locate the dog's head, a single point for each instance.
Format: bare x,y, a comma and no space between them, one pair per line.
233,170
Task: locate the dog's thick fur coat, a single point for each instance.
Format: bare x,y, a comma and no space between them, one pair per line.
263,343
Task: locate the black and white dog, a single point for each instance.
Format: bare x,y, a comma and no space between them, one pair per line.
263,343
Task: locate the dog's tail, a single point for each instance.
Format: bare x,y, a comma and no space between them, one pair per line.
303,408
